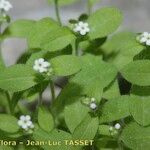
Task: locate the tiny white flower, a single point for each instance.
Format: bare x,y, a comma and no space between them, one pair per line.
5,5
117,126
41,65
82,28
93,105
111,128
145,38
25,122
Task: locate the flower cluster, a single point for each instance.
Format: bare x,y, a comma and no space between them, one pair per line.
93,104
113,129
41,65
145,38
25,122
5,5
82,28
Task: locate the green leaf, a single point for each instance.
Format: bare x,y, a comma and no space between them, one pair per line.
94,76
122,60
45,119
143,104
87,129
17,78
125,42
73,111
104,130
61,35
124,47
20,28
67,94
112,91
55,135
65,65
115,109
39,29
8,123
104,22
136,137
137,72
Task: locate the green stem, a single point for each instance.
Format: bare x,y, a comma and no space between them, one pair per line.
89,7
75,47
11,110
57,11
52,90
40,100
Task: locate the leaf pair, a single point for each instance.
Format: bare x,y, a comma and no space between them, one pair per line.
21,77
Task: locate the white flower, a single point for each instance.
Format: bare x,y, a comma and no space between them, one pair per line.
145,38
41,65
117,126
25,122
93,105
82,28
5,5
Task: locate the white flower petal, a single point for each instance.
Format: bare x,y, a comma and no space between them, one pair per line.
28,118
148,42
41,60
46,64
117,126
36,68
143,40
83,32
80,23
36,62
145,34
93,106
24,126
78,28
42,69
22,117
5,5
87,30
29,123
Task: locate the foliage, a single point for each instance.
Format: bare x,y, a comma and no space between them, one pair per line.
93,100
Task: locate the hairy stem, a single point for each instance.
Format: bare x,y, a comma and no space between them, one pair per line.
57,11
52,90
